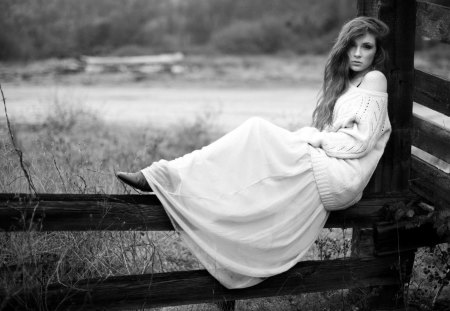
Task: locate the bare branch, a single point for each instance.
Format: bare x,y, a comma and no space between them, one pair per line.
18,151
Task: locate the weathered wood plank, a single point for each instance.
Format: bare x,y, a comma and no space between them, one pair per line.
364,214
392,238
392,174
387,297
433,21
432,91
190,287
401,21
55,212
367,8
431,138
430,183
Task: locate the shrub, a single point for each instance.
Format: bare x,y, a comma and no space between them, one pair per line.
264,36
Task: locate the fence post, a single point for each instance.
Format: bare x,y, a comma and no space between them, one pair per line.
392,174
393,171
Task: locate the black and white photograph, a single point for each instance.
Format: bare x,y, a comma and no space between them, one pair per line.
228,155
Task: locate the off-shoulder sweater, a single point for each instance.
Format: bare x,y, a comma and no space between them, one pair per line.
350,147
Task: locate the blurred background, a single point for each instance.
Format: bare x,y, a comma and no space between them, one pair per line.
244,45
66,28
253,45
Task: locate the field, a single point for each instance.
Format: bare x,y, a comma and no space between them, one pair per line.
72,146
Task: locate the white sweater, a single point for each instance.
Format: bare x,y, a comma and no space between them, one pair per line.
350,148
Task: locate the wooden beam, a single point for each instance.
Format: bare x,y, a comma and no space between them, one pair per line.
432,91
56,212
430,183
367,8
392,173
433,21
400,17
431,138
191,287
365,213
393,238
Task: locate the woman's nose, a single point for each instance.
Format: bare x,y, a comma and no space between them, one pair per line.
357,52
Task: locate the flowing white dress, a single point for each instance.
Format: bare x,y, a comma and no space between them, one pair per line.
246,205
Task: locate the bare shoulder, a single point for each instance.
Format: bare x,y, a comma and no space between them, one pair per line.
375,81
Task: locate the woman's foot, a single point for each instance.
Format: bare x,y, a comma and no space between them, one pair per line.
135,180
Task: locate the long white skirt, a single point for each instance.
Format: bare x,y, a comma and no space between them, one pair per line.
246,205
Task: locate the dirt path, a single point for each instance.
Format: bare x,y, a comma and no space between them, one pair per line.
163,106
166,105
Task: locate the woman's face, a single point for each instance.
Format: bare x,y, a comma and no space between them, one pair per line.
362,52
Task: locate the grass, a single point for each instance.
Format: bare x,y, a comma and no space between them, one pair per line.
74,152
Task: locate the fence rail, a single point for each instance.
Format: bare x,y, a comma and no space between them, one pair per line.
430,183
431,138
198,286
55,212
432,91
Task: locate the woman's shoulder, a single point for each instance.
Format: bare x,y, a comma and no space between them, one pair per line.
374,81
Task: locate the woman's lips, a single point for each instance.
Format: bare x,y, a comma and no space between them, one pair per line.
356,62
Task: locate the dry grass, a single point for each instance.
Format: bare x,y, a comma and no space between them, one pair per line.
74,152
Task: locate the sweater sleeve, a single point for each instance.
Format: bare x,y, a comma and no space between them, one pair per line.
357,130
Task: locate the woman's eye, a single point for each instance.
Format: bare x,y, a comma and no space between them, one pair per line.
367,46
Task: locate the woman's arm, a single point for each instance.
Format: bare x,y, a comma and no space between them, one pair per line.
355,136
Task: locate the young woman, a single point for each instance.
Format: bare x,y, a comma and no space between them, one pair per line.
250,204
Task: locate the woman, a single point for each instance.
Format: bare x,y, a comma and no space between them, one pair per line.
250,204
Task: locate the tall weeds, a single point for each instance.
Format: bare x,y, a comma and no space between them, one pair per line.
73,151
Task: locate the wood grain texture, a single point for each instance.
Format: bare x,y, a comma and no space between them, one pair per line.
400,17
362,242
430,183
393,238
431,138
55,212
367,8
433,21
432,91
190,287
392,173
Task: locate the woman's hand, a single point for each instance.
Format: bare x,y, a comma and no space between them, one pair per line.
315,140
310,135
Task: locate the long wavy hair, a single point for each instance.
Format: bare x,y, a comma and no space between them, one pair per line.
337,69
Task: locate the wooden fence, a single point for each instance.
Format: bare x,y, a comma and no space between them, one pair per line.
383,249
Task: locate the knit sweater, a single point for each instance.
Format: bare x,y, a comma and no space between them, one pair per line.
350,147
